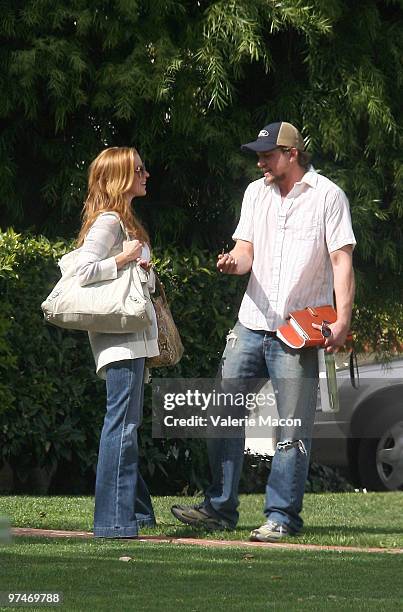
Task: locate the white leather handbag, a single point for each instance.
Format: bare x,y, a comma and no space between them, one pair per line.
120,305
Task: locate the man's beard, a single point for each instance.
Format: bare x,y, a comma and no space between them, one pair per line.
273,179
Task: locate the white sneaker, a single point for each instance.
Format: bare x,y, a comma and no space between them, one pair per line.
271,532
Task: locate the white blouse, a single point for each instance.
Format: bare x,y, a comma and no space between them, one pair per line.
96,262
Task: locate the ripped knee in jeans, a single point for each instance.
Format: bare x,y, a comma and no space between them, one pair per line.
288,444
232,336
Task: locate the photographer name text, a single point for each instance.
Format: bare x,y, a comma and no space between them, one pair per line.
219,421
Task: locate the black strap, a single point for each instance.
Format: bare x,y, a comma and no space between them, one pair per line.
354,366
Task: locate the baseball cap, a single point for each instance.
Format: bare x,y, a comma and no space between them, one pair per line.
280,134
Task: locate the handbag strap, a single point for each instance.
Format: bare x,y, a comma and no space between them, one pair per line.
160,287
124,230
123,227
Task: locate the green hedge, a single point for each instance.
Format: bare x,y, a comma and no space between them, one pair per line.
51,402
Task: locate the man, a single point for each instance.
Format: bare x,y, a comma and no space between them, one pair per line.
296,239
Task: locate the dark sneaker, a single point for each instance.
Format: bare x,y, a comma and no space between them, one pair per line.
271,532
199,516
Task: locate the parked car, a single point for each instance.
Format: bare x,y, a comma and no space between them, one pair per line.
366,435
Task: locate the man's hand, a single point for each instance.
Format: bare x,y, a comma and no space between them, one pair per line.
238,261
337,336
227,263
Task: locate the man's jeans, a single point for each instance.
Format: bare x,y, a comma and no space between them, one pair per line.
294,376
122,500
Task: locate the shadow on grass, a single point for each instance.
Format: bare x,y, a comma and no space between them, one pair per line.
342,529
173,531
167,530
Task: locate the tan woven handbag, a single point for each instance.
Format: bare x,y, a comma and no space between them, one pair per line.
169,340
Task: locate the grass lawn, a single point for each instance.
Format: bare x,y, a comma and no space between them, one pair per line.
165,577
169,577
348,519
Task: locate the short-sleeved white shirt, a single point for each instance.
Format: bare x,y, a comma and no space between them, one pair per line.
292,239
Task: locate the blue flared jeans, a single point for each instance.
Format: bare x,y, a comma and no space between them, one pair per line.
122,500
294,376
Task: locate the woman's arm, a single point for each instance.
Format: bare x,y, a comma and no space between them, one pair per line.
94,263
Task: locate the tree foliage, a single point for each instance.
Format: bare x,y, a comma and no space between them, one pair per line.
187,81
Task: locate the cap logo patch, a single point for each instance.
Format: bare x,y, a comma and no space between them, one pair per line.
263,133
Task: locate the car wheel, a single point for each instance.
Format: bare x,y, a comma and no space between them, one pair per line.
380,460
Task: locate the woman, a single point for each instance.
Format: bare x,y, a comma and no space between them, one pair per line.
122,500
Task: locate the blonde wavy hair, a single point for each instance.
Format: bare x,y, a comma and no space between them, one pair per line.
110,177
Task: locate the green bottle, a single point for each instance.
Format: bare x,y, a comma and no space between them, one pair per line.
332,382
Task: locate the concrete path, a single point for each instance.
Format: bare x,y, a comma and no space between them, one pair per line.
52,533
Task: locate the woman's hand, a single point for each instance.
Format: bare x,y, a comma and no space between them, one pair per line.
131,252
146,265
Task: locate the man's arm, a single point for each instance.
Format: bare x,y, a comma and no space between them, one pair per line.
344,288
238,261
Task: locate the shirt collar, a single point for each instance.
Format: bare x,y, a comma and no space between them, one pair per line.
310,178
